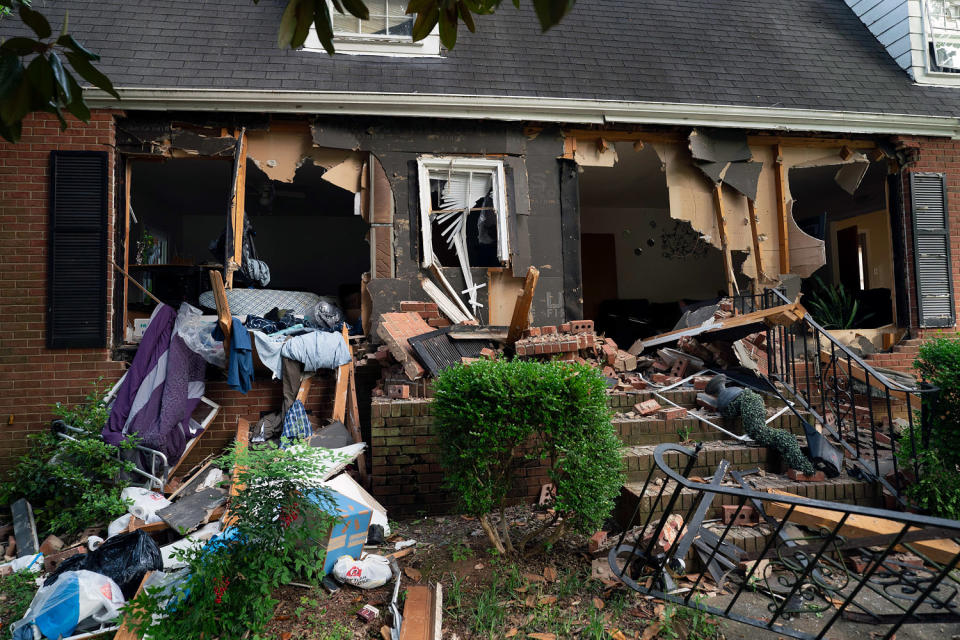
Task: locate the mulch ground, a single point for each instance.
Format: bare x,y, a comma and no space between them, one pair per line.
547,596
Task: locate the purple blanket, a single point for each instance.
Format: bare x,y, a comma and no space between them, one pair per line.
160,392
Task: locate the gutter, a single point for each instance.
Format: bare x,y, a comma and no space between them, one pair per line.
525,109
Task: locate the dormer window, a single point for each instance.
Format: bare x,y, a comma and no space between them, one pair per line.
388,32
942,25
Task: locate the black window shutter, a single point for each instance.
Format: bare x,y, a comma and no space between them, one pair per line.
931,249
77,276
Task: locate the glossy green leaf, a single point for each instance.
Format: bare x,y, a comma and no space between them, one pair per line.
17,104
420,6
60,75
550,12
357,9
70,43
21,46
77,106
304,18
40,76
11,132
11,70
36,21
448,25
89,73
288,24
467,16
322,21
425,23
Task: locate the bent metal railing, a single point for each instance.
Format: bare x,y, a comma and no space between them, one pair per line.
867,413
886,568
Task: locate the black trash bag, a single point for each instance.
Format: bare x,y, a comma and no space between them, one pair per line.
327,316
124,558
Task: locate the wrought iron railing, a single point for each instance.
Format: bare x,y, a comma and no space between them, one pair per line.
887,568
869,415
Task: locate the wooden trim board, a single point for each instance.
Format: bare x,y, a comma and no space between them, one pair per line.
786,314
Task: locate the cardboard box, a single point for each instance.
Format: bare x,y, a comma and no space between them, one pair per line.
350,531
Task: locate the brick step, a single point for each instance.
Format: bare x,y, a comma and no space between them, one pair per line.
840,489
638,459
686,397
647,431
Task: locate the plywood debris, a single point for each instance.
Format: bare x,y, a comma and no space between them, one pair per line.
786,314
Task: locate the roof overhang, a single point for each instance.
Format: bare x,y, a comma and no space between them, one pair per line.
525,108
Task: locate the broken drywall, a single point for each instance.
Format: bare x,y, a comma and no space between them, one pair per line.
280,151
691,199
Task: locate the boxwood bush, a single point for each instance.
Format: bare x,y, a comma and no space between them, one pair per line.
494,416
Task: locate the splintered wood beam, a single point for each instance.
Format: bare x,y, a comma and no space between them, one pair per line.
722,227
237,207
783,229
243,440
304,389
343,383
785,315
757,259
858,526
125,632
127,172
224,318
353,420
521,310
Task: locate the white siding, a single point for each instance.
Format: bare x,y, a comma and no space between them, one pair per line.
890,21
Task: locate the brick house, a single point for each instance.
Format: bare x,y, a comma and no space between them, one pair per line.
696,148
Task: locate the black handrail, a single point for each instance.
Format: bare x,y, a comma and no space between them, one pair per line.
826,387
796,575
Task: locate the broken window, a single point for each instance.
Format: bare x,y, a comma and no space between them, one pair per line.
388,31
463,212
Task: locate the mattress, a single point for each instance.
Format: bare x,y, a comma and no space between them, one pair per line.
259,302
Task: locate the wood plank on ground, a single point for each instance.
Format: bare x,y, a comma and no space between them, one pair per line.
858,526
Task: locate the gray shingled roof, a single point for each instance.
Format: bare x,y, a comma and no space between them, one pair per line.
812,54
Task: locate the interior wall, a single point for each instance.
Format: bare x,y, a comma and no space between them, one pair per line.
879,247
658,258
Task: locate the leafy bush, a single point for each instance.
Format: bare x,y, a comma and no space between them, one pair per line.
17,591
938,362
834,307
71,484
936,453
276,534
495,415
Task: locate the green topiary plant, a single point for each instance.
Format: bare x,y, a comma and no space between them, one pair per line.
750,408
71,484
276,533
495,415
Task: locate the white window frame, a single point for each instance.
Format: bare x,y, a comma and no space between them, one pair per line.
925,73
372,44
427,165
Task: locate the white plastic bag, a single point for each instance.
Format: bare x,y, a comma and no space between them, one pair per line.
118,526
146,503
77,599
196,539
197,332
33,563
368,573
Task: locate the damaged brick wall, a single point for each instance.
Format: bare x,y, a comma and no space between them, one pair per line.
937,155
32,377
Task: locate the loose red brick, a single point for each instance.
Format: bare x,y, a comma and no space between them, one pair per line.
532,332
581,326
659,378
548,330
745,518
700,382
672,413
596,540
398,391
796,476
647,407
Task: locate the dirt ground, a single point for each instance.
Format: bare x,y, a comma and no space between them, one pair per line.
545,597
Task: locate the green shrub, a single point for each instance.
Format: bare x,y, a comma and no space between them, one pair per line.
16,593
936,453
71,484
938,362
495,415
277,534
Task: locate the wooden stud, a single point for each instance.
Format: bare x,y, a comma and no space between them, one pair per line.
858,526
243,439
846,153
127,172
521,310
353,420
757,258
224,318
722,227
125,632
237,208
304,389
782,211
343,384
130,278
